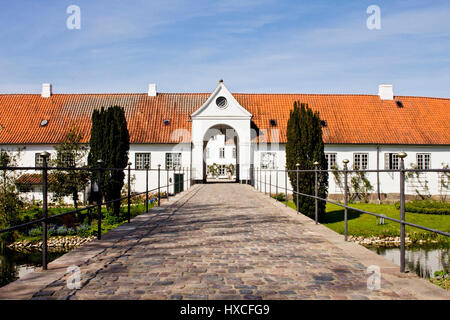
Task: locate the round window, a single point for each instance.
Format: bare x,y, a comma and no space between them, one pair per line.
221,102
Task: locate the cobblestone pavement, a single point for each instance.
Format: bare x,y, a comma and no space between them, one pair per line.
228,241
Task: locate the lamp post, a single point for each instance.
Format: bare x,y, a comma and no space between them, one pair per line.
146,187
345,161
402,156
297,166
316,190
99,199
45,155
129,191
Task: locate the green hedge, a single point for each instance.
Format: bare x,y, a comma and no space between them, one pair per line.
426,206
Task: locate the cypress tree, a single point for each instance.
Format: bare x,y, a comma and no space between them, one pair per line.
305,146
110,142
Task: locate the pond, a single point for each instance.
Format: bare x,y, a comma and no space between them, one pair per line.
423,260
14,264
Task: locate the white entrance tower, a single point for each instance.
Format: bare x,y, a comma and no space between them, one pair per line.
221,112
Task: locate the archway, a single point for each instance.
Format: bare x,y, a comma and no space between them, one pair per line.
221,154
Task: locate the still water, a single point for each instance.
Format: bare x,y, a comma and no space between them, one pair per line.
14,265
422,260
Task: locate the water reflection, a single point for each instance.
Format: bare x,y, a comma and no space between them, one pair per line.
14,265
423,260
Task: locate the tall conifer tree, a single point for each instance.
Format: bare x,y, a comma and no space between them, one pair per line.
305,146
110,141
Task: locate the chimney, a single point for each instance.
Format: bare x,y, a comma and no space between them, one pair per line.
46,90
386,92
152,90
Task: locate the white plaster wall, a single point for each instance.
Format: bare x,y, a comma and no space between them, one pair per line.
389,183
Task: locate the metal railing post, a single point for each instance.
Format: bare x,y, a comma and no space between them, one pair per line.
276,182
45,156
260,180
146,187
402,155
297,165
167,183
316,192
99,199
129,192
159,185
270,183
285,187
265,181
345,161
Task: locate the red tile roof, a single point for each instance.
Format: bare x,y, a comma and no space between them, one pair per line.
364,119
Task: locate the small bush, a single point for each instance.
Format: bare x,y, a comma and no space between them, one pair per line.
71,232
426,207
61,231
35,232
84,231
279,197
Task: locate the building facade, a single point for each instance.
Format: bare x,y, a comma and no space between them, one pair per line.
186,133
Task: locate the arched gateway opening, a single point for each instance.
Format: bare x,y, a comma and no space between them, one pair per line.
221,154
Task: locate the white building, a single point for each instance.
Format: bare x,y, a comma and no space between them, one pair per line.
190,131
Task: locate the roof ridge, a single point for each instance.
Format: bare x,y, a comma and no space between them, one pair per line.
235,93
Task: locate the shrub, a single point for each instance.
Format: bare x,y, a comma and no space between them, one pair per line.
61,231
35,232
71,232
84,231
279,197
426,207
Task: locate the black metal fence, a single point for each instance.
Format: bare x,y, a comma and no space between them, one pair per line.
178,186
264,184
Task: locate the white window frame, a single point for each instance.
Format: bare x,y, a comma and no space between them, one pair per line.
38,160
360,161
173,160
391,161
207,153
268,160
222,153
331,159
234,153
423,160
141,159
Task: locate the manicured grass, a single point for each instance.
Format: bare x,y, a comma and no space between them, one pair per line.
360,224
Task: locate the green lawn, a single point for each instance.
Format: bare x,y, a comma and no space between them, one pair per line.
360,224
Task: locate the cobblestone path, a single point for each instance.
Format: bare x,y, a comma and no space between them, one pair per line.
228,241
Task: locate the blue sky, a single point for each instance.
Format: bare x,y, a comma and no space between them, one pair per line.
255,46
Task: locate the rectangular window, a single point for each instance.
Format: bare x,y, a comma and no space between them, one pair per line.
222,170
38,160
234,153
141,160
391,161
173,161
360,161
207,153
268,160
221,153
423,161
67,159
331,160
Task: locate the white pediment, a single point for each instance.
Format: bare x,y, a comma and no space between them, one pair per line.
221,105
